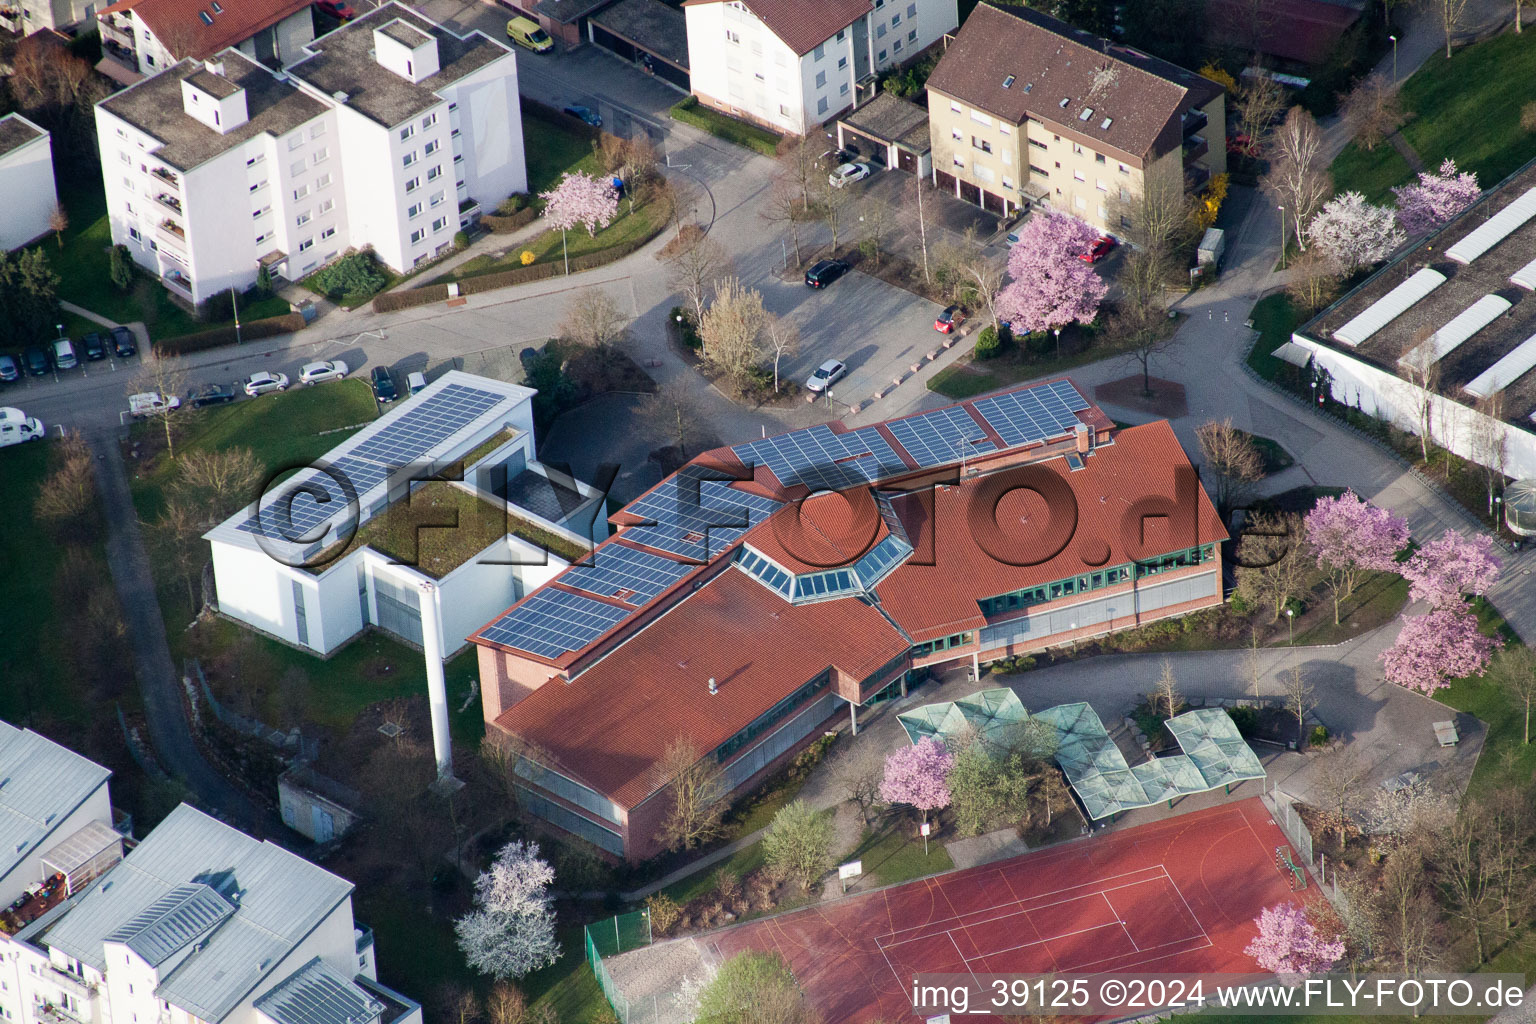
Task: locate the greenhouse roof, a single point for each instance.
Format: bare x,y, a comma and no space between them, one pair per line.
1214,753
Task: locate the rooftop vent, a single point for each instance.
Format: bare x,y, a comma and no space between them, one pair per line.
1028,87
1086,114
712,687
1008,82
339,96
1106,122
214,67
1064,101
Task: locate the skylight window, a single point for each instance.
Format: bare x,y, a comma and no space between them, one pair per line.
1008,82
207,18
216,8
1106,122
1086,114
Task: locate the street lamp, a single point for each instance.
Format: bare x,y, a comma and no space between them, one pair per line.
1498,506
60,329
1058,342
1319,401
1282,236
1290,624
1394,58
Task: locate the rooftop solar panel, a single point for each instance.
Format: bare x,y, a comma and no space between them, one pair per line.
823,460
694,517
1026,417
554,622
941,436
301,511
616,568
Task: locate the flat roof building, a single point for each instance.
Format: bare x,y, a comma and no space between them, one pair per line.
26,180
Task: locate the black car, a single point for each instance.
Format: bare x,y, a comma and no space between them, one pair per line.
211,394
825,272
586,114
36,358
383,384
123,342
9,369
94,347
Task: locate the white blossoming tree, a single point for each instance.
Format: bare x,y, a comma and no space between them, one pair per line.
1354,233
511,931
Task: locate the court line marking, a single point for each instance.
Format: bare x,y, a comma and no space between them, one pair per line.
1123,928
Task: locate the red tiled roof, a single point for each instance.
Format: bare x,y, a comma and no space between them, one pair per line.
824,532
802,25
940,598
178,27
609,726
1311,28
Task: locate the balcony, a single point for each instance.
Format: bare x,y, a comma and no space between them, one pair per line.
59,1015
113,32
1195,147
10,19
364,936
174,230
169,201
177,282
1195,178
1194,120
167,177
72,983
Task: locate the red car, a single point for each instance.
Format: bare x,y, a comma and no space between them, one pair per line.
1098,250
337,9
951,318
1242,145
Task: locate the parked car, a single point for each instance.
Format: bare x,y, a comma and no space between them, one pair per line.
211,394
825,272
95,348
264,381
951,318
337,9
586,114
1098,250
525,32
383,385
16,427
415,382
1242,144
152,403
36,358
10,369
847,173
827,374
123,343
64,354
329,369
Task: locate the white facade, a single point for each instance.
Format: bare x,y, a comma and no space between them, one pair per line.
265,585
738,64
283,42
26,181
50,14
316,177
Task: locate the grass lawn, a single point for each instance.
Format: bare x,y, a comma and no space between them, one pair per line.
1275,457
895,854
1275,318
968,377
629,226
1462,108
552,149
1375,602
741,864
567,986
731,129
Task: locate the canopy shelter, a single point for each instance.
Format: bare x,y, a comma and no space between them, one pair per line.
1214,753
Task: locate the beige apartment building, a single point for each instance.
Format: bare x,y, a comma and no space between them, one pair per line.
1024,109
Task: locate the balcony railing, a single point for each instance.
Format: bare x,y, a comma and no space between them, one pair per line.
363,934
1195,147
56,1013
174,229
112,32
177,282
73,982
1195,177
169,201
1195,120
167,177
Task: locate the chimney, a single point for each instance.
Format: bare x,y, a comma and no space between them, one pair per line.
214,67
712,687
1082,438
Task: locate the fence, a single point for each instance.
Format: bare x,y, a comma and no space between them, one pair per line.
619,934
305,748
1291,824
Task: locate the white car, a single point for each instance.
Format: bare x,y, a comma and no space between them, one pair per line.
261,383
16,427
150,403
827,374
314,373
848,173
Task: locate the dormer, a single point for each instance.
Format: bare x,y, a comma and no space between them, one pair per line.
406,50
213,99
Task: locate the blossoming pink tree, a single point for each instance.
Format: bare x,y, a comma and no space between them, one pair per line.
1436,198
1451,566
1052,286
918,775
1288,943
1349,536
1433,649
579,199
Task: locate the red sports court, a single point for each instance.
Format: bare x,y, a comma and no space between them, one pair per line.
1171,897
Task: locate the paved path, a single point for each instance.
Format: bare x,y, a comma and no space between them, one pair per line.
1406,151
159,682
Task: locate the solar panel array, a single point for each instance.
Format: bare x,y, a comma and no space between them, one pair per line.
696,524
823,460
940,436
616,567
1024,417
298,516
554,622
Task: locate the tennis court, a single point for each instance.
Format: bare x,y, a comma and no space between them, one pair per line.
1173,896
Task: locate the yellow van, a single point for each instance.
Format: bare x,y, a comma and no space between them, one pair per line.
525,32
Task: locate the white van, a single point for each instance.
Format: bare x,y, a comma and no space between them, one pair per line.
151,403
16,427
64,355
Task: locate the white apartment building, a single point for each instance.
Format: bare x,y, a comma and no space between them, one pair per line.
795,64
49,793
388,134
315,574
28,16
200,924
26,180
149,36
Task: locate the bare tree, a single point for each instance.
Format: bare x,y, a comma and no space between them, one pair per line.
1253,662
785,206
593,320
1156,221
214,483
981,281
1314,280
1165,690
1508,830
1053,791
506,1004
876,224
509,764
1300,698
833,204
1467,877
800,158
695,266
69,490
1259,101
58,223
698,789
732,330
675,414
922,206
1421,370
1233,460
783,338
1374,109
1514,670
157,373
858,771
1298,178
1405,913
1336,779
1141,330
1450,14
1489,439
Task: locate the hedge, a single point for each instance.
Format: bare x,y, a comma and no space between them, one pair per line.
731,129
218,337
499,225
408,297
